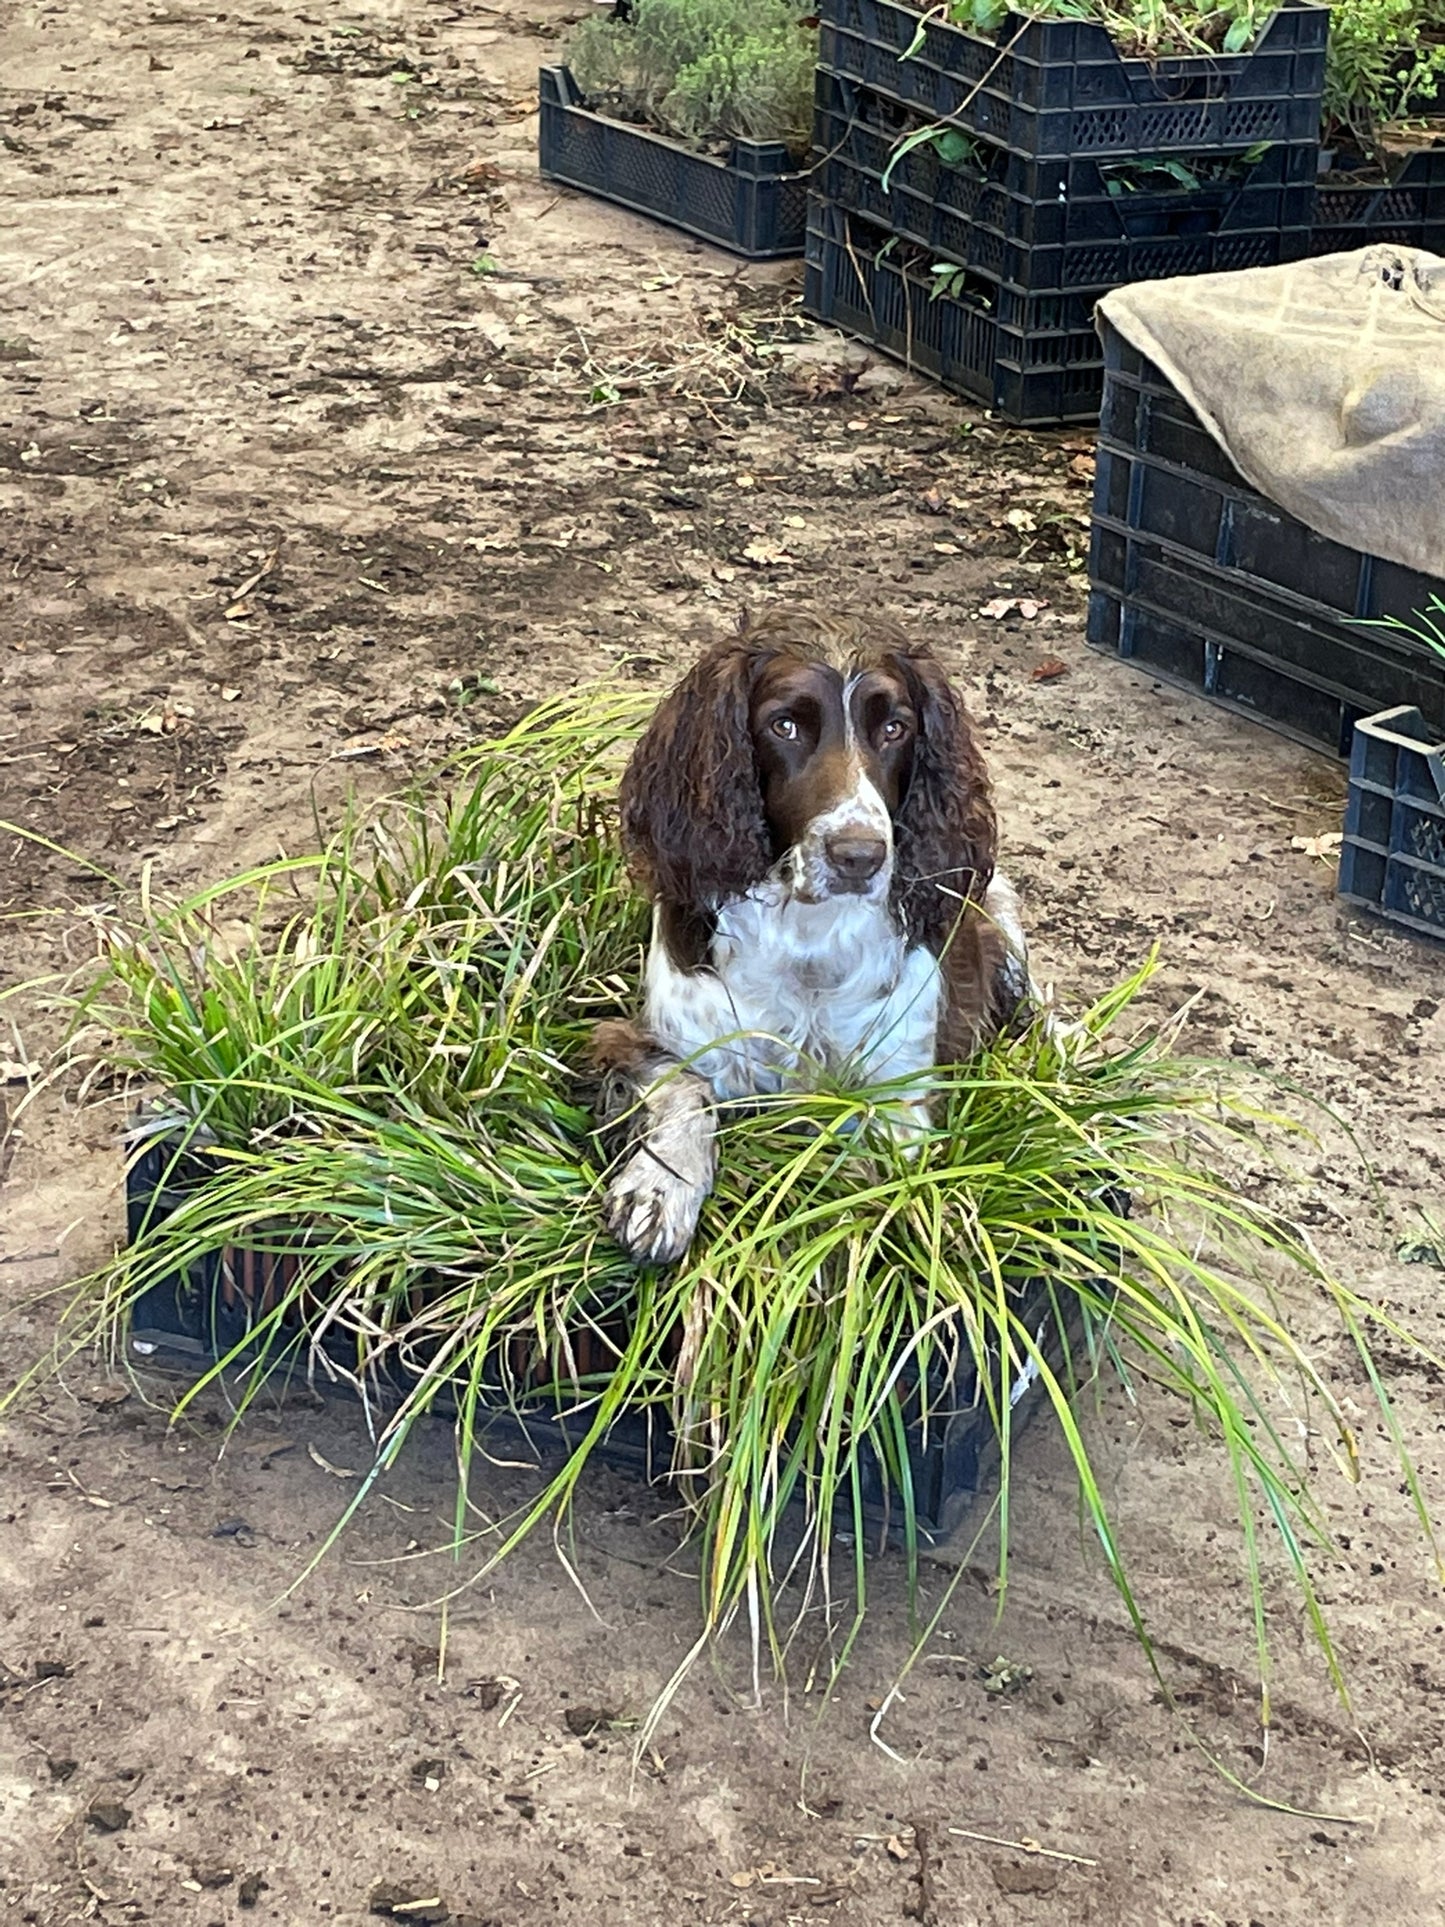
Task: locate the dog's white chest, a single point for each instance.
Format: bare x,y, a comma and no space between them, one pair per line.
798,991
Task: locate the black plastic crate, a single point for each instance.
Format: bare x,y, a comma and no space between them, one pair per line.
1393,858
1054,225
1407,210
1202,580
1030,358
1056,88
207,1312
754,202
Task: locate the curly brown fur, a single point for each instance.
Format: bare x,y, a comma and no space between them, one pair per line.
947,831
692,812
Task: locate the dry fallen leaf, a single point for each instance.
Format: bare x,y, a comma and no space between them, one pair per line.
1021,520
229,694
1082,468
1005,605
765,555
1048,669
947,548
1325,845
381,747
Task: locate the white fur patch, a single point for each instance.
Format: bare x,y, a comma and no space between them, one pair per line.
796,989
1001,907
860,812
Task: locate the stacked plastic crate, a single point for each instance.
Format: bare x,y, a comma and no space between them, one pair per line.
1201,580
1408,209
1055,170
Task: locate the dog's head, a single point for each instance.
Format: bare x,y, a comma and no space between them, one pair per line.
830,754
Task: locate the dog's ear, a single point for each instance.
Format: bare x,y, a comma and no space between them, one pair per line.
692,803
947,835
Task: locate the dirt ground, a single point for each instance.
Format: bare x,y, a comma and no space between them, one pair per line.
328,436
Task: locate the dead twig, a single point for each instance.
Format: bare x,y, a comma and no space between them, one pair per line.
1025,1846
238,596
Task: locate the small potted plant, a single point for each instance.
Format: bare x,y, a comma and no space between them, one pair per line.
1383,166
698,112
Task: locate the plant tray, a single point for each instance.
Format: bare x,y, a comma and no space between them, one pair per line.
1052,89
1407,210
1031,358
1393,858
753,203
1054,225
1202,581
205,1314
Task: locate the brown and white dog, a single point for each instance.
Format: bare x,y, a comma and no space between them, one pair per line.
810,814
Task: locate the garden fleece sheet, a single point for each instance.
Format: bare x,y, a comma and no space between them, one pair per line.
1324,383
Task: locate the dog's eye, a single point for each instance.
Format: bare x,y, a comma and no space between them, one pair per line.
893,731
785,727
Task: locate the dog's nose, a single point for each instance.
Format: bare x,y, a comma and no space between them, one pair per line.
854,859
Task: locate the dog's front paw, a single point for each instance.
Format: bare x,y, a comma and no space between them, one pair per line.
652,1211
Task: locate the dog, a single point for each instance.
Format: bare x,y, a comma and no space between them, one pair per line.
809,812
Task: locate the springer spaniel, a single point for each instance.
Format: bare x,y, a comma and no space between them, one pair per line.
810,815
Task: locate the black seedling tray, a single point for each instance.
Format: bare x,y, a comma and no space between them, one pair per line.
1055,225
1031,358
206,1313
1053,89
1201,580
1393,858
753,203
1407,210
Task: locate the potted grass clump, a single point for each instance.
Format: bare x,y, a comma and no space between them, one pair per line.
369,1158
696,111
1383,177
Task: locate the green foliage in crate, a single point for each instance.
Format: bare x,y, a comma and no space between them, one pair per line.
1147,27
1384,57
708,71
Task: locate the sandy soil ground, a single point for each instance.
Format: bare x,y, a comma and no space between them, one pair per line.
303,481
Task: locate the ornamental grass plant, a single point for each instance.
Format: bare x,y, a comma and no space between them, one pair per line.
371,1060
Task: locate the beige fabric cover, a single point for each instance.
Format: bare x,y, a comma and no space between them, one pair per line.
1324,383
